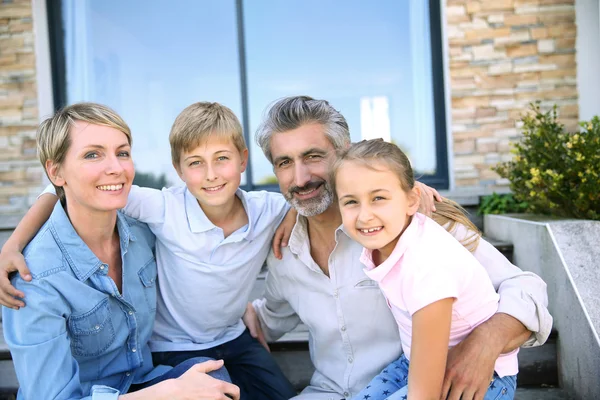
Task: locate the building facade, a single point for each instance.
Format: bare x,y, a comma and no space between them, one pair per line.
445,80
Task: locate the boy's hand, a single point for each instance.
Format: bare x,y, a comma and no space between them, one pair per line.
250,318
428,197
283,232
11,261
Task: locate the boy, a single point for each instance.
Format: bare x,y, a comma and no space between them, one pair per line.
212,240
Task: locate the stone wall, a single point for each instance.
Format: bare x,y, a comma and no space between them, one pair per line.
503,55
20,172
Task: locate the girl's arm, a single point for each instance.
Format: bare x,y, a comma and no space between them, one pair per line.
429,349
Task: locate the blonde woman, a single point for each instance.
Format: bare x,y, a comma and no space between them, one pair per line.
91,296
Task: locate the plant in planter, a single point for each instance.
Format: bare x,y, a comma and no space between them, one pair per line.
501,204
556,172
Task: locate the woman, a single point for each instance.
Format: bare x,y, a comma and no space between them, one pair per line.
92,297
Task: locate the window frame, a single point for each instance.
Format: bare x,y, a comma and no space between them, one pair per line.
438,180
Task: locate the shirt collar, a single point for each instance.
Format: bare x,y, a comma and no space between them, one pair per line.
409,236
81,259
199,222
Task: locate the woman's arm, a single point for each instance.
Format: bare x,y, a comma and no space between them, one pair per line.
194,384
429,349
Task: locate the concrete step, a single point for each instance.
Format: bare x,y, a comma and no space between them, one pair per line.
547,393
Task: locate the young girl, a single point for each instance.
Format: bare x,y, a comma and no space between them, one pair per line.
437,291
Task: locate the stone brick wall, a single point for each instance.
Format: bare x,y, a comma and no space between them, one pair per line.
20,171
505,54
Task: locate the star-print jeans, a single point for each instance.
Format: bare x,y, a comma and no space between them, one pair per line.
392,384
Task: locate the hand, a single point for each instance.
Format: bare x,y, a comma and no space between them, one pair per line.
11,261
250,318
283,232
195,384
428,197
469,369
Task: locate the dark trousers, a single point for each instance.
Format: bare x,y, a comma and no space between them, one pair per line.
250,366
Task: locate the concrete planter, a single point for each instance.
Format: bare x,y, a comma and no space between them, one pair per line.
566,254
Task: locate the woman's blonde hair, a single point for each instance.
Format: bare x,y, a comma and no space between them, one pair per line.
53,135
368,152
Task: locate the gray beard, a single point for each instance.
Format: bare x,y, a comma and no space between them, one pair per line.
314,206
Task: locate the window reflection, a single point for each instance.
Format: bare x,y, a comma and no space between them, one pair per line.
371,60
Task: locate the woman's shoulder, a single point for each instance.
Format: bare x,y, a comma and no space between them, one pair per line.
43,255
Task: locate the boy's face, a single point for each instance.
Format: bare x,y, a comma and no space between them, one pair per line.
212,171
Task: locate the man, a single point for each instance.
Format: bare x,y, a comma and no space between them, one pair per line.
319,280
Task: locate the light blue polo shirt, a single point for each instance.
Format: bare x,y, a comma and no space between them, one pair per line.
204,279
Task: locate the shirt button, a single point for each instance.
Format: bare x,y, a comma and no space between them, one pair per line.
130,312
102,267
343,328
346,394
133,350
97,327
335,294
350,360
127,373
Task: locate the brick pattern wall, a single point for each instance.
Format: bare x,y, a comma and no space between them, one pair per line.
20,171
505,54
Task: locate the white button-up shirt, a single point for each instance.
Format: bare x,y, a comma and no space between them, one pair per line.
352,333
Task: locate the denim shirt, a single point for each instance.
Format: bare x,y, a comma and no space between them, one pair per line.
78,337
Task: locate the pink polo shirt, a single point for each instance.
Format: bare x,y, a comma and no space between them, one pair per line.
427,265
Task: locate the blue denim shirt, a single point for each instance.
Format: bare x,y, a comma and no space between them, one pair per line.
78,337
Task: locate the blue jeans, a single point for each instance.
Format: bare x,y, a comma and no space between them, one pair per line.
179,370
392,384
250,365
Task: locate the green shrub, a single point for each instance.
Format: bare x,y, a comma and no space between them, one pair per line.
553,171
501,204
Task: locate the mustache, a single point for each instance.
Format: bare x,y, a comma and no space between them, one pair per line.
309,186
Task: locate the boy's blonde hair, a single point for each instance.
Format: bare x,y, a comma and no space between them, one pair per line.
368,152
201,121
53,135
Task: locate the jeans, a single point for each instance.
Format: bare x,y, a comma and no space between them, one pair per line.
392,384
179,370
250,365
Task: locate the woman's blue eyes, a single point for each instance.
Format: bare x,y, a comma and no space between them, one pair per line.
94,155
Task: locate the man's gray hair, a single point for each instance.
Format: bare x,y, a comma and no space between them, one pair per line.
292,112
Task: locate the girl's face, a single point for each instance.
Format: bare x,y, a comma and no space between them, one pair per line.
375,209
97,171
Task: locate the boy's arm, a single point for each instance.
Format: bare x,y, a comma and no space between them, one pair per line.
11,259
429,349
145,204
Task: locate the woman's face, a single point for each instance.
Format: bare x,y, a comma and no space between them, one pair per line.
97,171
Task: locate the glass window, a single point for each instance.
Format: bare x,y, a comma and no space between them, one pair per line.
370,60
149,60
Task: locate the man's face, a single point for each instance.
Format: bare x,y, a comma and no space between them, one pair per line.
302,159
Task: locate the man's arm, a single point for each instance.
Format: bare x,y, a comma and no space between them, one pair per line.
275,314
522,317
11,258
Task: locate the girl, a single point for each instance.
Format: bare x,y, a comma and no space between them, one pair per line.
437,291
